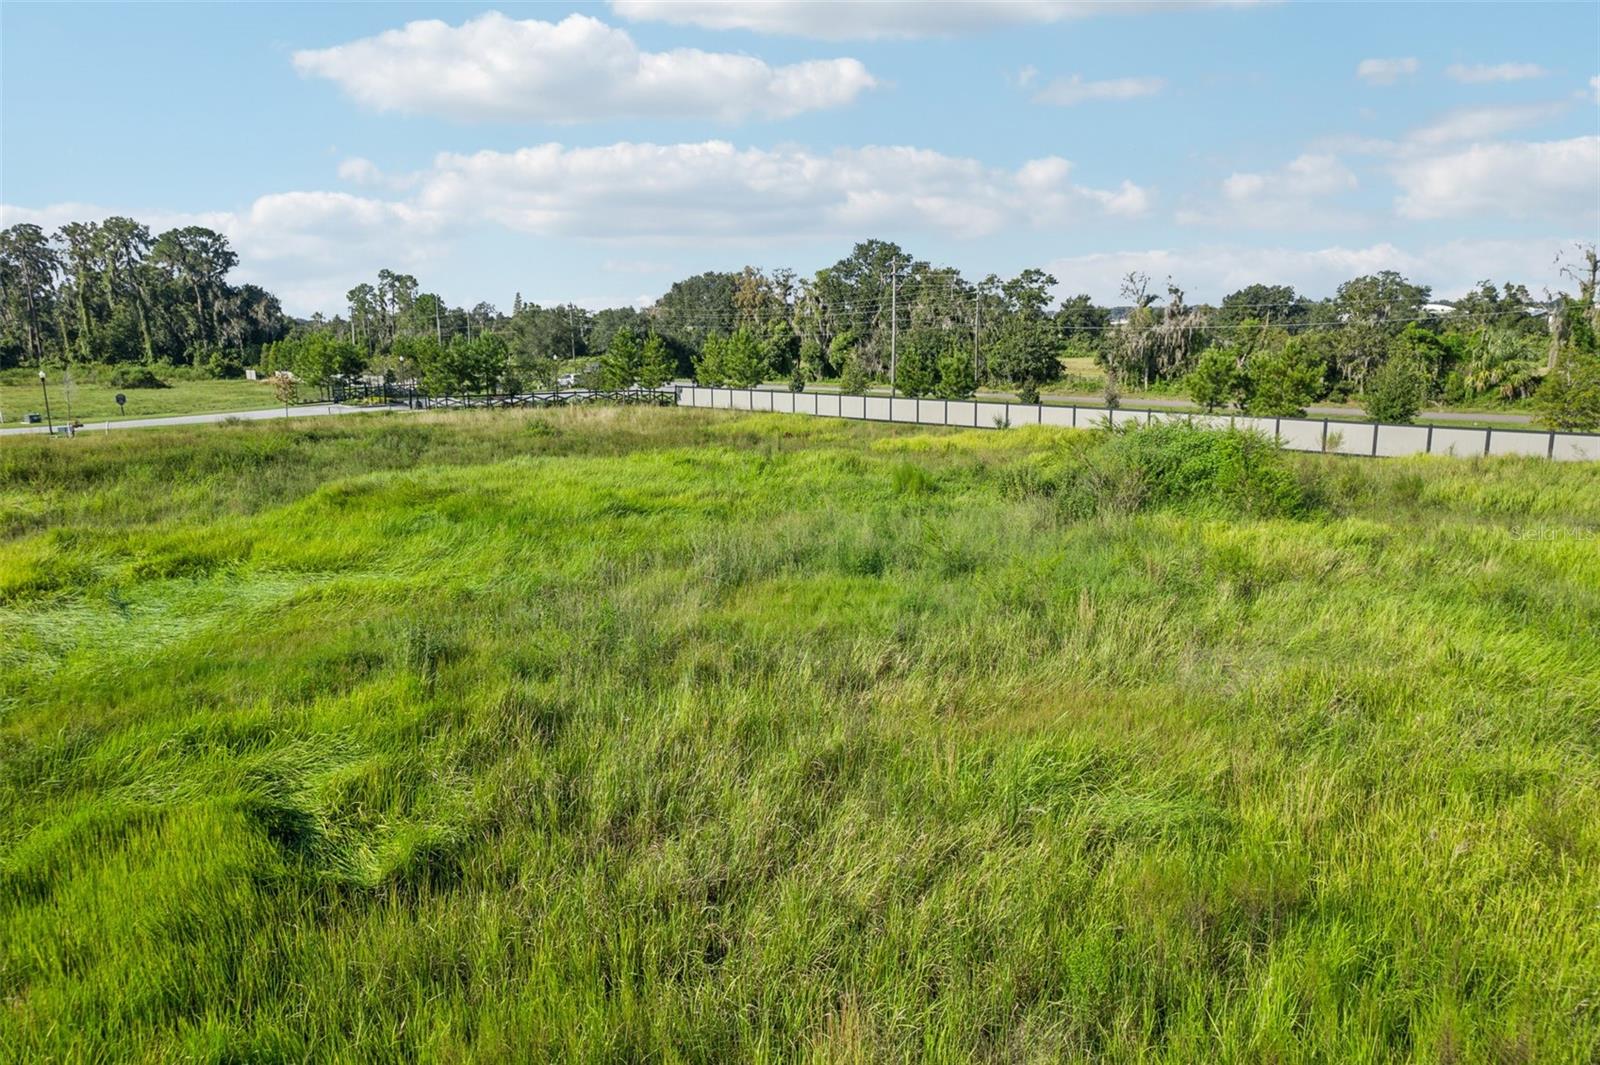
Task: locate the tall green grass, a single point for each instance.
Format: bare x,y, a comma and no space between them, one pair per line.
619,735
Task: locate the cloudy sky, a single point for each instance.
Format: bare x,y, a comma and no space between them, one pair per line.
598,152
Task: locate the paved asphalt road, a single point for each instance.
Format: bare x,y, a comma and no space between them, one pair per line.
308,411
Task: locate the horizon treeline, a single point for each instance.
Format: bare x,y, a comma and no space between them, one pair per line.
110,292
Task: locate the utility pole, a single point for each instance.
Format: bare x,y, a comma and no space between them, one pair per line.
894,323
438,329
977,323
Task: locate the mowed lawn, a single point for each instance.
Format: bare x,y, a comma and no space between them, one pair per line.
655,735
93,402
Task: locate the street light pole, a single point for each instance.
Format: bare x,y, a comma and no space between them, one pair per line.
50,424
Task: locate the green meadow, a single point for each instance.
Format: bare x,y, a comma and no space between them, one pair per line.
93,400
620,735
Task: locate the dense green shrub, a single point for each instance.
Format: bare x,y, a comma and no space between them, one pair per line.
1396,391
314,357
1169,464
1570,396
222,365
853,377
173,373
134,376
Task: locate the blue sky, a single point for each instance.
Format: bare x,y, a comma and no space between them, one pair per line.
598,152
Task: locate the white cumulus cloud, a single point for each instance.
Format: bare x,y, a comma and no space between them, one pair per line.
308,248
312,246
1294,196
1513,179
1460,126
884,18
359,171
1386,71
1480,123
1210,272
497,68
1478,74
713,190
1064,92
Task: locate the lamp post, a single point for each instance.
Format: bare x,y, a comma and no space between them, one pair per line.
49,424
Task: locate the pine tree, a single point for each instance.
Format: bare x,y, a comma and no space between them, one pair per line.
619,366
656,365
918,369
1215,380
955,374
708,369
1281,383
743,363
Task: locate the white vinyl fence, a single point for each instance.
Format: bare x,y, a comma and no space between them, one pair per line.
1295,434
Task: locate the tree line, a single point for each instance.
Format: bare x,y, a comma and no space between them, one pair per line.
109,292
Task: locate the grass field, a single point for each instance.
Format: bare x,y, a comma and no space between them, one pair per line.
93,401
628,735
